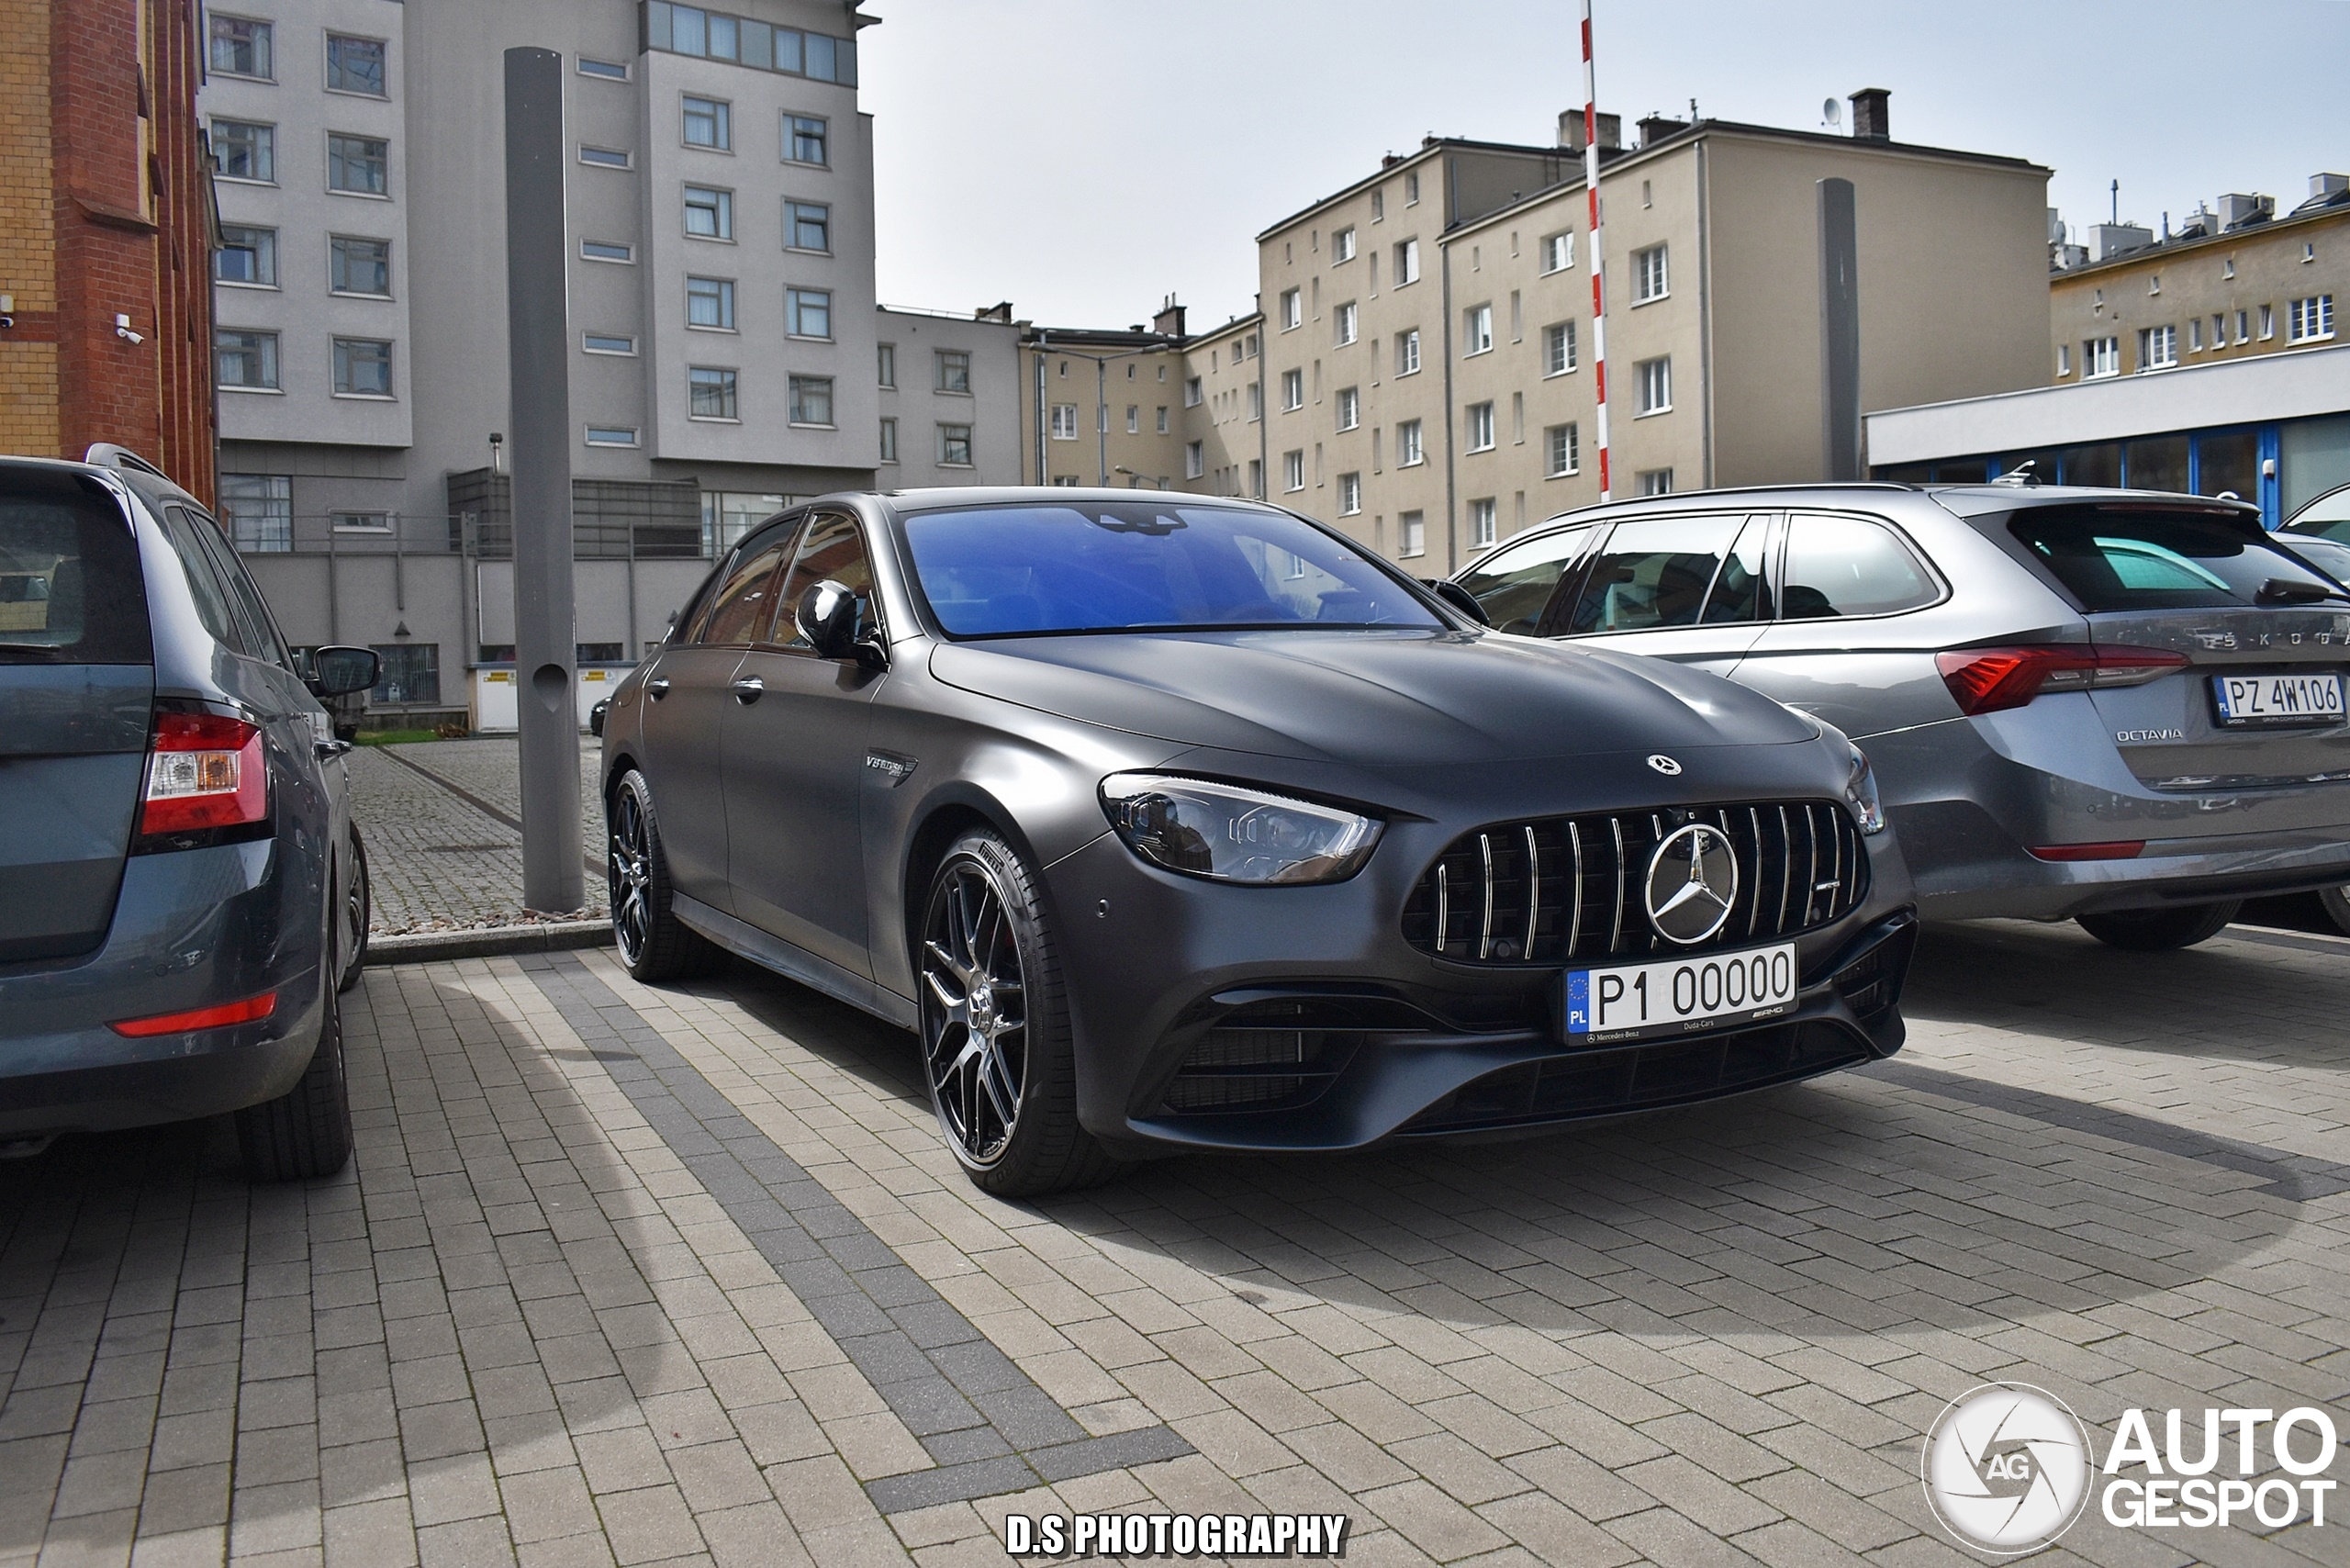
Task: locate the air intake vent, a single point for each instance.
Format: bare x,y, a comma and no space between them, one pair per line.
1574,889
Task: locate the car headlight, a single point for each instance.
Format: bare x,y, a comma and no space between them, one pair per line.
1860,794
1235,834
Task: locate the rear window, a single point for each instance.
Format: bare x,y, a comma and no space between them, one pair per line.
2127,559
71,590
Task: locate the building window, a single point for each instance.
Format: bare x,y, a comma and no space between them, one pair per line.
611,436
1656,482
1558,348
358,165
807,312
247,256
1560,452
954,370
1292,309
1379,206
889,441
1133,419
1407,263
812,399
807,226
603,157
1478,427
710,302
1191,392
2100,356
363,367
259,511
362,521
2220,330
1349,408
1342,245
355,65
887,367
1293,470
358,265
605,250
709,392
1064,421
2268,322
1656,385
1476,330
955,446
1407,352
2064,359
410,673
1256,478
2193,334
2307,320
1481,524
2157,348
241,47
803,139
247,361
1292,390
1343,320
1411,534
709,122
1162,419
1349,495
1255,400
710,214
244,150
1557,251
606,342
1649,278
1409,453
1412,188
608,70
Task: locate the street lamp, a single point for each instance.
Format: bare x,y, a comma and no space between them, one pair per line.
1130,473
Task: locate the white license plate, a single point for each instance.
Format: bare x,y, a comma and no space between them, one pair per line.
1674,995
2278,698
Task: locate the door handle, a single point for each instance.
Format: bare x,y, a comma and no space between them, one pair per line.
657,688
746,688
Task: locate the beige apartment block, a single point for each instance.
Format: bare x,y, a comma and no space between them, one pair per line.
1102,406
2228,284
1223,411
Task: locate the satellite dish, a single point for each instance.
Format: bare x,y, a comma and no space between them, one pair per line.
1831,113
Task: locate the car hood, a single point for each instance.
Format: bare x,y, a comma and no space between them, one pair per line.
1375,698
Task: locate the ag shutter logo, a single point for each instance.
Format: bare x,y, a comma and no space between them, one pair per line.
2007,1468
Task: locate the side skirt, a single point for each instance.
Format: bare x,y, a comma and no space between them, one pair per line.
792,962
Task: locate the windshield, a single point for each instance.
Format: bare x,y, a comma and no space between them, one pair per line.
1139,566
2123,558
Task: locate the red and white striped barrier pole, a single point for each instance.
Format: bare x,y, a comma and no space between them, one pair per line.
1598,289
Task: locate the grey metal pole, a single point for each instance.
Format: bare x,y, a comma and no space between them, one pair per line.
538,361
1839,335
1102,417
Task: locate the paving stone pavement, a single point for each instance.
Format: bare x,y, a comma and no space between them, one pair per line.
634,1275
441,861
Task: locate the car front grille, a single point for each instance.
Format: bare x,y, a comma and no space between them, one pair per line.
1556,890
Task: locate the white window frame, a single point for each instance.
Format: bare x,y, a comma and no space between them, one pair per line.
1411,534
1484,522
611,436
1557,251
2100,357
1195,459
1654,378
1292,309
1407,264
1559,349
1654,481
1411,448
970,446
1292,390
1408,352
1193,394
587,341
1293,470
1344,323
1652,275
596,157
1064,421
1477,427
1342,245
1552,453
2310,319
1477,330
627,257
1349,408
1351,493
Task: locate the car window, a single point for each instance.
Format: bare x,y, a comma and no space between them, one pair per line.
1848,566
1652,572
2123,557
71,588
2327,516
1516,584
1743,588
745,601
263,640
204,584
832,550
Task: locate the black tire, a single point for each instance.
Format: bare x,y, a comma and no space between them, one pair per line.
2160,930
305,1133
2335,902
358,909
654,945
997,1048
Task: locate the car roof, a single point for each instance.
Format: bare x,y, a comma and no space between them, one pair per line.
936,497
1962,499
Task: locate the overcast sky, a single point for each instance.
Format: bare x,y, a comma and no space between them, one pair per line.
1085,158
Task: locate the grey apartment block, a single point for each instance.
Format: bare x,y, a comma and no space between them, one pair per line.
719,275
949,397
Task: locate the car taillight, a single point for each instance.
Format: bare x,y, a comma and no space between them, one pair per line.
204,770
1986,680
216,1017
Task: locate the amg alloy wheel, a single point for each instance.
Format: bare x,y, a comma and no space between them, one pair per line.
654,944
995,1028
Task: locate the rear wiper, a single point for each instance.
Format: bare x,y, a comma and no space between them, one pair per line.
2283,590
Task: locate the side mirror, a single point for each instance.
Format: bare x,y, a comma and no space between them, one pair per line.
1462,599
826,617
339,672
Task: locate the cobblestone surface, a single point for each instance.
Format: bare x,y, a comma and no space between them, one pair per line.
440,862
633,1275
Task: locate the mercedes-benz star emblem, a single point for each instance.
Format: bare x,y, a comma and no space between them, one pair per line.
1693,884
1664,765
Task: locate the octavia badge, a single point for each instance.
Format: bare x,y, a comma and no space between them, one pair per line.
1692,885
1664,765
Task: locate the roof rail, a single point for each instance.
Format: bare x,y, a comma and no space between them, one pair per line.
107,454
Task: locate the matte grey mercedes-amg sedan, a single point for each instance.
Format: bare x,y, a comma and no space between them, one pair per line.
1171,822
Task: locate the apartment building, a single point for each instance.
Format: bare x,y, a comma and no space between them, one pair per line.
720,200
1102,406
949,397
2226,285
1224,410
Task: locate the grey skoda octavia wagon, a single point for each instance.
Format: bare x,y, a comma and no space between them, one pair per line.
1176,824
182,889
2117,706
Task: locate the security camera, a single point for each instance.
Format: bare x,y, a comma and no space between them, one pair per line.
122,329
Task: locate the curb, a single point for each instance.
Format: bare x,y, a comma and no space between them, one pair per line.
437,946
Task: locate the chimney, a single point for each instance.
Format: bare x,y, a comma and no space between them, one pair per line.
2238,209
1870,119
1002,312
1168,322
1570,138
2329,184
1656,128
